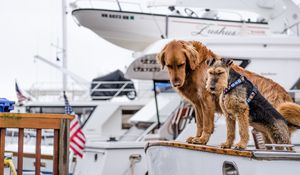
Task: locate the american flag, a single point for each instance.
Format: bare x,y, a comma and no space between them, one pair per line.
20,96
77,138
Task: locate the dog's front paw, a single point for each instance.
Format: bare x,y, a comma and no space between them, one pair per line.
240,146
226,145
190,139
200,140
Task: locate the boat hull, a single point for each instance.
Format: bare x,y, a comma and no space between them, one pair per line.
170,160
135,31
112,158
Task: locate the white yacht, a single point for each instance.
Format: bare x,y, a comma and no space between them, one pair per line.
135,30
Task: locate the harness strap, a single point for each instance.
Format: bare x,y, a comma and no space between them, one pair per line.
233,85
252,94
238,82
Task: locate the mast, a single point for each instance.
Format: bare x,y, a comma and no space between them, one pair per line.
64,44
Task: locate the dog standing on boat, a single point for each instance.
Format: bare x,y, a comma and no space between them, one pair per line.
186,66
185,62
240,101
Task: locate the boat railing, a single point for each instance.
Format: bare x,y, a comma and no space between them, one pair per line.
120,5
49,91
60,123
172,127
102,90
295,28
167,9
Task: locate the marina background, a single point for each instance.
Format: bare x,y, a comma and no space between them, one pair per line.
34,27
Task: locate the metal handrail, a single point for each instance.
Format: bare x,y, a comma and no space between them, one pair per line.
117,2
296,25
97,88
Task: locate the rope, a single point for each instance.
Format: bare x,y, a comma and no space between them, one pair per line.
10,164
133,161
156,23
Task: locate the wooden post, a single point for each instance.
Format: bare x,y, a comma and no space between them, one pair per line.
2,143
38,152
63,151
20,151
55,151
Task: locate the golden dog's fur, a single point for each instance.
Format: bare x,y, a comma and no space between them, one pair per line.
185,62
186,66
291,112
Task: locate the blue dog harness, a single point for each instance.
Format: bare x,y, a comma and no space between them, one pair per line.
238,82
233,85
253,93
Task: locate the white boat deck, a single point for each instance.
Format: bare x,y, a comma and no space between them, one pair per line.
177,158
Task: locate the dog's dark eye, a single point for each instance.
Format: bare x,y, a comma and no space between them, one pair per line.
180,65
169,66
219,73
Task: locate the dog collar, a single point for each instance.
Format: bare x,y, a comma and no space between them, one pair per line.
233,85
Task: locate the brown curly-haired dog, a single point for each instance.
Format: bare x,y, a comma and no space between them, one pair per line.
240,101
186,66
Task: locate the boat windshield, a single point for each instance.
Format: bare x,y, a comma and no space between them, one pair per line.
83,112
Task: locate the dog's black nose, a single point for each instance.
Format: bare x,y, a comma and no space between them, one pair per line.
212,88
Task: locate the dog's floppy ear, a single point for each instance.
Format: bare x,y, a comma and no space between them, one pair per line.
191,55
161,58
210,61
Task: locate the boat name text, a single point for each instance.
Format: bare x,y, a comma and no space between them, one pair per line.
210,29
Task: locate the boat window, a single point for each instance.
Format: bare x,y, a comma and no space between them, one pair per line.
83,112
126,115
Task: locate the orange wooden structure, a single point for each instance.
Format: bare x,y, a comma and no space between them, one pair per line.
60,123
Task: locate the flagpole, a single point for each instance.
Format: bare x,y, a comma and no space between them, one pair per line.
77,138
64,43
71,161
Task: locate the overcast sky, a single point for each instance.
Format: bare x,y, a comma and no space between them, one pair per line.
29,27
